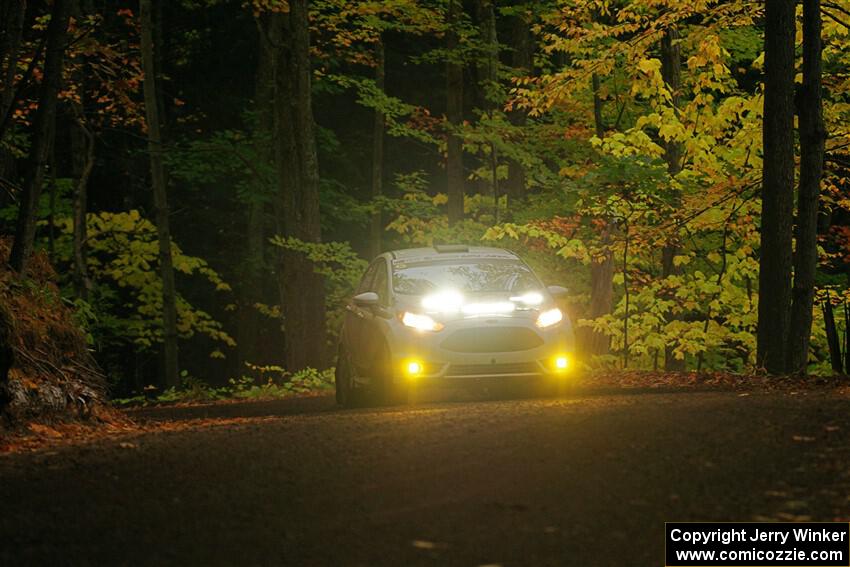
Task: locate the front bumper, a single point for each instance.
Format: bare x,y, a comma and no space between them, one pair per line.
472,350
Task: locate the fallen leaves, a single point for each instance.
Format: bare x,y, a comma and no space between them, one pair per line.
40,436
746,384
112,424
423,544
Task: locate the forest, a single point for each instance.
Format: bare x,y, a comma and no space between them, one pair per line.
192,189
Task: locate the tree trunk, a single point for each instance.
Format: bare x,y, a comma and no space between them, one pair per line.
602,266
522,61
777,186
455,177
846,338
601,297
598,121
488,77
251,288
487,67
832,338
51,198
7,356
12,14
302,295
45,116
169,294
376,225
812,139
83,146
671,71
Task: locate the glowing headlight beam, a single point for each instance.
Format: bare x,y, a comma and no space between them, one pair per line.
446,301
562,363
496,308
530,298
413,368
420,322
549,317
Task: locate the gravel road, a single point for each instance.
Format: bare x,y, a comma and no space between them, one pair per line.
583,480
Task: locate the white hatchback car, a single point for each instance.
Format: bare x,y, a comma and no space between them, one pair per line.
449,315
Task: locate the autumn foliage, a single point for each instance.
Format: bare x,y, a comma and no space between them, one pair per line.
53,373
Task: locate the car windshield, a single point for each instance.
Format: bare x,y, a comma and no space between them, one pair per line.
466,276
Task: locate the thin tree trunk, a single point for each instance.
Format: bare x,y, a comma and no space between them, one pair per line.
51,198
812,139
602,266
83,149
487,68
777,187
166,266
303,295
7,356
521,60
846,338
598,121
626,297
832,337
251,288
12,22
488,76
45,117
376,225
82,143
671,71
455,178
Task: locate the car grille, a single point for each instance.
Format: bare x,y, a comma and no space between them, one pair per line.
493,369
499,339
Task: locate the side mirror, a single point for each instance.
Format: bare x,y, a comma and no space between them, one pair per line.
558,292
366,299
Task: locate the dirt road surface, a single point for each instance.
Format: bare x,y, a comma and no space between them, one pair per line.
580,480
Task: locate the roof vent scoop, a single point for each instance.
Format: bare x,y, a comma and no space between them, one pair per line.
450,248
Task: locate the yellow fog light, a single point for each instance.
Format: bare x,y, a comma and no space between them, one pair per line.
562,363
413,368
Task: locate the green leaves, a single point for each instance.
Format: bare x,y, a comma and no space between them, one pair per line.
338,263
123,262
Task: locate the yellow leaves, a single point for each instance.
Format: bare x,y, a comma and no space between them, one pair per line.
672,131
650,83
259,7
573,171
124,256
649,66
681,260
634,142
440,199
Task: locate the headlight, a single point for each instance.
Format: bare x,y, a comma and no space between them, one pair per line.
561,363
413,368
420,322
530,298
446,301
549,317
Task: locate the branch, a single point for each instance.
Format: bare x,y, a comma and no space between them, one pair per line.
835,18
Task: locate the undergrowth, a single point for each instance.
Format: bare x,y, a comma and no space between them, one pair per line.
273,383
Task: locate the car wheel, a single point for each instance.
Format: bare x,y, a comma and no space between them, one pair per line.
346,392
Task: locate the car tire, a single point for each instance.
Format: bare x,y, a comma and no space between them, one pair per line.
347,394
